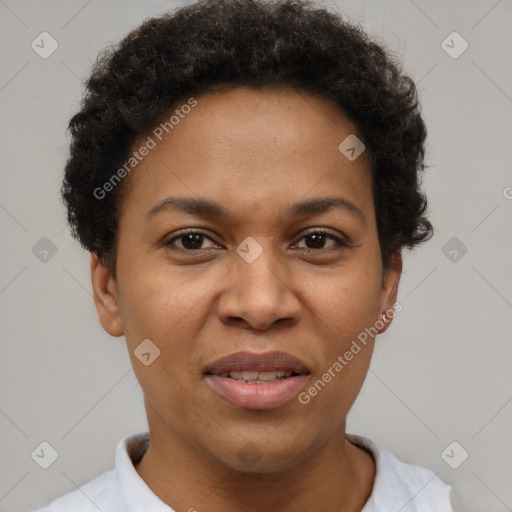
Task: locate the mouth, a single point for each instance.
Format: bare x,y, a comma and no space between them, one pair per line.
259,377
257,381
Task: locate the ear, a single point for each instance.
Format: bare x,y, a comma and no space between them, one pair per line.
389,292
105,297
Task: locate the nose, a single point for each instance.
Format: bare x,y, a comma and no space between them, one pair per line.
259,295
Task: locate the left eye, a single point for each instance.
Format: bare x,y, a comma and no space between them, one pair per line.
318,238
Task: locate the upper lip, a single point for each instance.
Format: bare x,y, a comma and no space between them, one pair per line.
257,362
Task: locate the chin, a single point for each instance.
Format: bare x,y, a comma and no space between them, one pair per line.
259,456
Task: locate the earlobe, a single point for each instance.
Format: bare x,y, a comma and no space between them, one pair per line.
105,297
389,292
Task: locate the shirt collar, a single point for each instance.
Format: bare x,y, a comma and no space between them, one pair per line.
367,444
134,493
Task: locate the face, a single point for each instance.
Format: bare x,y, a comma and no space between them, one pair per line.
283,257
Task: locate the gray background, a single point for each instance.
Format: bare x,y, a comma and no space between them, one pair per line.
440,374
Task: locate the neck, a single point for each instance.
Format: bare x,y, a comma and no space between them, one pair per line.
187,478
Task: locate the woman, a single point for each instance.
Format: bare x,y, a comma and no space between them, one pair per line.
245,175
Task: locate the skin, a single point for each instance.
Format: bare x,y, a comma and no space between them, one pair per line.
255,153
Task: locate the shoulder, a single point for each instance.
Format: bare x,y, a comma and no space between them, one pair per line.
113,489
98,493
418,485
108,491
405,486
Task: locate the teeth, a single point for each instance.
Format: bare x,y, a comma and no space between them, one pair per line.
266,375
258,377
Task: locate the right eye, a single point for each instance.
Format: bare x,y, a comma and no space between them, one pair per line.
191,240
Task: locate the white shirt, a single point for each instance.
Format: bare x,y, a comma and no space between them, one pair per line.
397,485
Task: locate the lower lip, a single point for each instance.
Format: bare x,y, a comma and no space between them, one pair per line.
257,396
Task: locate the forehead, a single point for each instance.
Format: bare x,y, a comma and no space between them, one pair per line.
245,147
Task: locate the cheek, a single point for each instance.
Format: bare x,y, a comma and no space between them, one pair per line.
347,304
162,307
156,304
344,309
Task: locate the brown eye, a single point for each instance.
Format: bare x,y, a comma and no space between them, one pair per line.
316,240
190,240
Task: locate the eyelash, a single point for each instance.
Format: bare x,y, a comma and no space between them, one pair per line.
339,241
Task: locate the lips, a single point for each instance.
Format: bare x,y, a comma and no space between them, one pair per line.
254,362
257,381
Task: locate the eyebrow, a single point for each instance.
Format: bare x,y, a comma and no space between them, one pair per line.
207,208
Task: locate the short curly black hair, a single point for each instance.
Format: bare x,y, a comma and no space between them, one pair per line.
274,44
